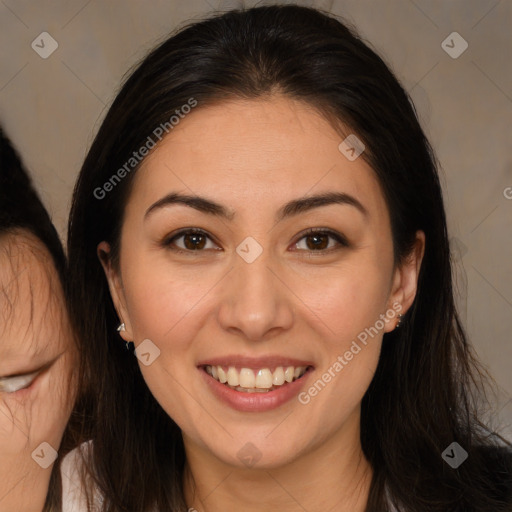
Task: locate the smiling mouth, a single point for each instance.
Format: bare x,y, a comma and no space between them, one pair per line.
262,380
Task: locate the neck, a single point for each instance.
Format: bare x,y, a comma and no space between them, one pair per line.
333,475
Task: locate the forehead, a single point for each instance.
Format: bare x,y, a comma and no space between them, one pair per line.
255,152
31,297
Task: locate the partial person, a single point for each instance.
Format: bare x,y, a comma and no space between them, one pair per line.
37,348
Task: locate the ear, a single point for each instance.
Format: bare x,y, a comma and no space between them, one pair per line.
116,288
405,280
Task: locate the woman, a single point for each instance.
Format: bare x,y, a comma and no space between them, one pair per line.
36,344
260,217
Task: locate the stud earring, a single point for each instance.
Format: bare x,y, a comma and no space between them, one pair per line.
399,320
129,345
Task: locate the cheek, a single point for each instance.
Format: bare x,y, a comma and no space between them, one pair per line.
334,397
348,314
51,405
163,301
347,307
35,414
14,423
345,300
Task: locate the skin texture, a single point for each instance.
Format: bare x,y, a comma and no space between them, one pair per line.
34,330
293,300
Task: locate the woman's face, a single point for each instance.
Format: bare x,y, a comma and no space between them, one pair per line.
35,370
253,291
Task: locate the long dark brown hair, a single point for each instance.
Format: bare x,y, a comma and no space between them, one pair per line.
424,394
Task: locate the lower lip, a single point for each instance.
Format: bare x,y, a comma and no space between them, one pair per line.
255,402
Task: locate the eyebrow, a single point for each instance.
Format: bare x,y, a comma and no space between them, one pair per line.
290,209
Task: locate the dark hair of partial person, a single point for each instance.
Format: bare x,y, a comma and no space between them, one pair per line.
21,206
21,210
428,385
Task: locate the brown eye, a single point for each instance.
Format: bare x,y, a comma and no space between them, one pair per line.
314,242
319,241
189,240
194,241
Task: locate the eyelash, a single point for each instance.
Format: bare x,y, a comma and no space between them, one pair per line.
342,242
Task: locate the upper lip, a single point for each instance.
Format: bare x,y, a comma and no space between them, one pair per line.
255,362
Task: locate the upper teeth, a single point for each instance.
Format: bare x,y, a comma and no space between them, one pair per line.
263,378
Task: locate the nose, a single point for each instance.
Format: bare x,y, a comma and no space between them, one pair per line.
256,303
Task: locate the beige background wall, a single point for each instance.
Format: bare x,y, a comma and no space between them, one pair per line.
52,107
